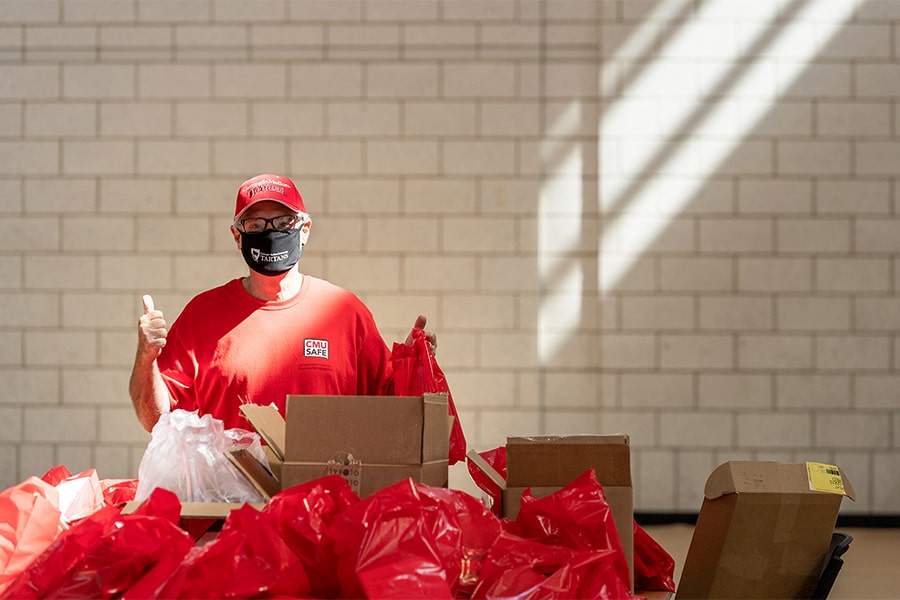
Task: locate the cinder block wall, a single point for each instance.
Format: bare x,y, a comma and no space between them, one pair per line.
672,218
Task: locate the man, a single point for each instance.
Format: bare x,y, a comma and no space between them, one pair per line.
258,338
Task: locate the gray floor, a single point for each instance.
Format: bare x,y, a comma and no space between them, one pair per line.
871,565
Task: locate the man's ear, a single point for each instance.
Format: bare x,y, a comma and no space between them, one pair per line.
237,236
304,232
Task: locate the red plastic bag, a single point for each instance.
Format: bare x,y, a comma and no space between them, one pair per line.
576,517
63,556
417,372
29,523
397,543
654,568
248,559
302,515
106,492
104,555
118,491
165,505
526,569
479,530
411,540
214,571
80,495
56,475
497,459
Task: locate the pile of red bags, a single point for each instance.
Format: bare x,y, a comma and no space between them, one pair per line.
65,536
654,568
317,540
37,512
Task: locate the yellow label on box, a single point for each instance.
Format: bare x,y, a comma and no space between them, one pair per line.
825,478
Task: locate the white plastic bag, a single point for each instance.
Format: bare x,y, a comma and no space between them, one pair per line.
186,455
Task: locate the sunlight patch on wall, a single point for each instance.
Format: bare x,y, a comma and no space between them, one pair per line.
560,235
679,116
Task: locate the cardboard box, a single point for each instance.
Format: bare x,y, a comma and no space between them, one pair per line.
763,530
545,464
373,441
201,520
198,510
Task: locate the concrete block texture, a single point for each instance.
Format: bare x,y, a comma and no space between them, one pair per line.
678,220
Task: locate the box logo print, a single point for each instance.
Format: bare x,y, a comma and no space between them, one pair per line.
316,348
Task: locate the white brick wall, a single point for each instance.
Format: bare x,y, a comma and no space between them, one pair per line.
674,219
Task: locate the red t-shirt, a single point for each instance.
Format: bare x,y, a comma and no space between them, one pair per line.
228,348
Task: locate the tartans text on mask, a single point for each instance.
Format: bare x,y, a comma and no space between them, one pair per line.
271,252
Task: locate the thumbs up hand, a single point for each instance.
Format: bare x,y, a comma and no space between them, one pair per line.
152,330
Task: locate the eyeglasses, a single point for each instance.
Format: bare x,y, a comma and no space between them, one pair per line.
279,223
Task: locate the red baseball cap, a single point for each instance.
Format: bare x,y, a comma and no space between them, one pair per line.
268,187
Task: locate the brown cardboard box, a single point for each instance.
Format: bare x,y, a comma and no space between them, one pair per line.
198,510
763,530
201,520
545,464
373,441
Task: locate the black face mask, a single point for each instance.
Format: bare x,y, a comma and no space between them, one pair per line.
271,252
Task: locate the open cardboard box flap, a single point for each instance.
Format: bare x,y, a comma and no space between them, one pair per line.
486,468
738,477
258,474
269,424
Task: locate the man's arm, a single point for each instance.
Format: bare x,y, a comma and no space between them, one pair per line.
149,393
